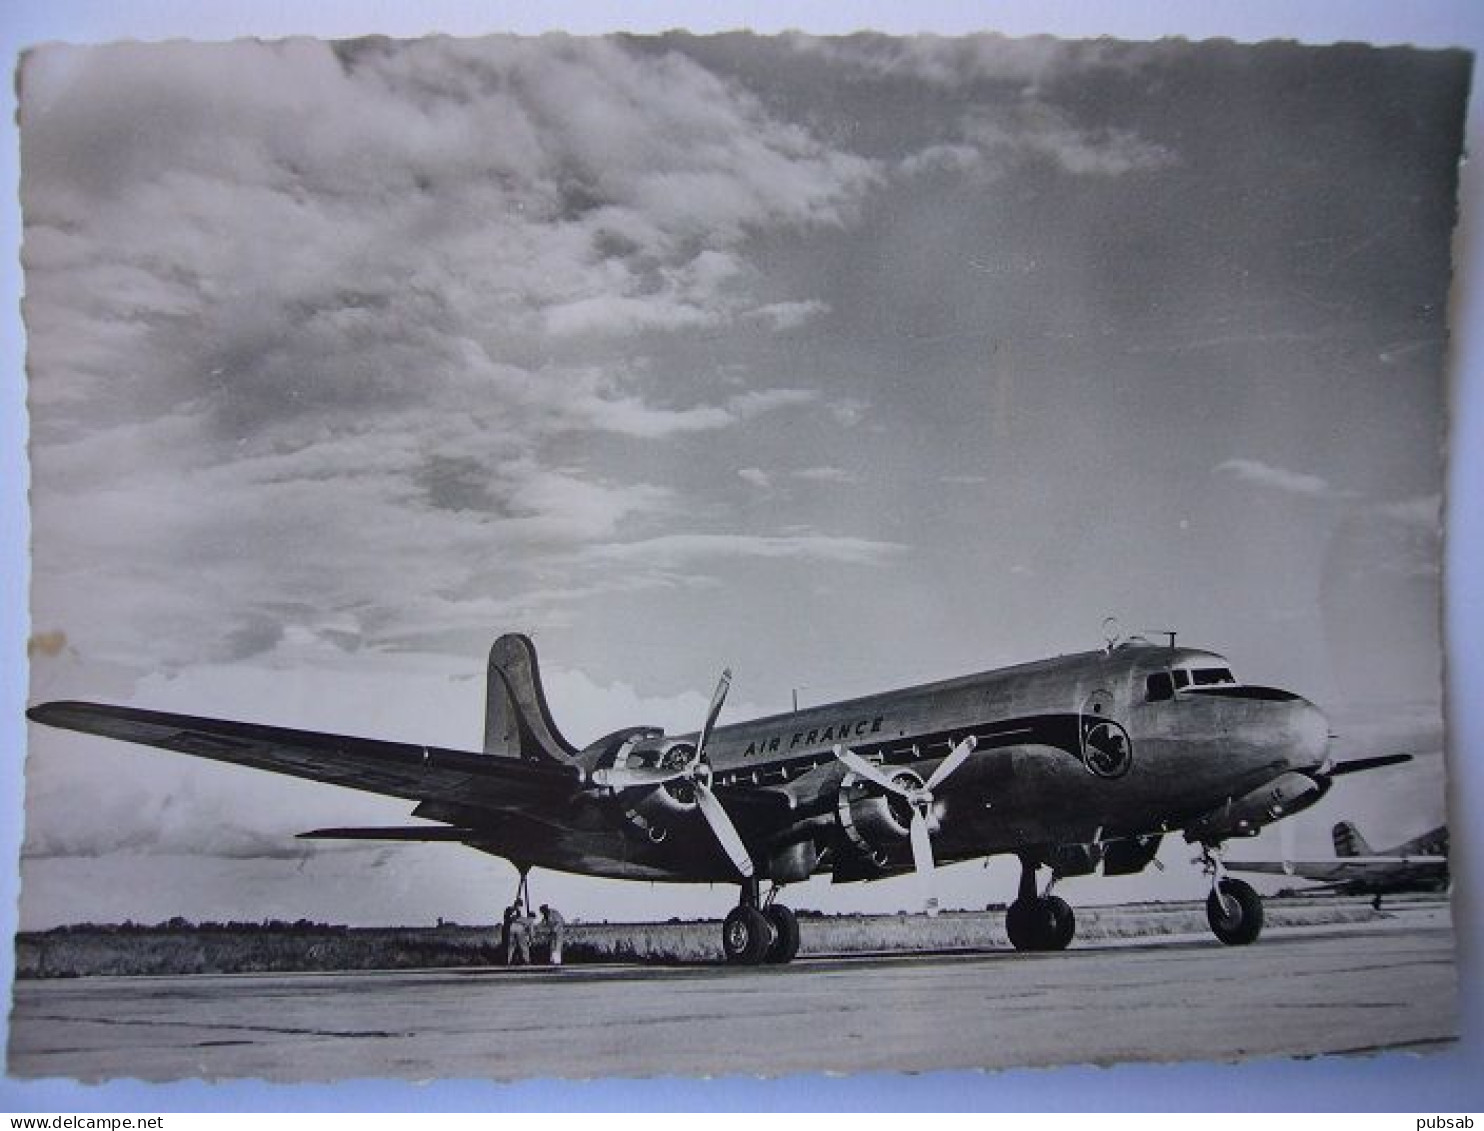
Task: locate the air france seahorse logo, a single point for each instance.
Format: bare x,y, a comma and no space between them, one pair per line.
1107,750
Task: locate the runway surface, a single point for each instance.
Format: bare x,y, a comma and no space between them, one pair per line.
1299,992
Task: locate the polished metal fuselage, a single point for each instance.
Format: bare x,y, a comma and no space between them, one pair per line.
1031,783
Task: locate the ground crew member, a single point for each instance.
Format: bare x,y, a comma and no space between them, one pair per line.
520,938
512,913
556,929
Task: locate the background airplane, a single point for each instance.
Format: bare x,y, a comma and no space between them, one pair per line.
1419,864
1072,764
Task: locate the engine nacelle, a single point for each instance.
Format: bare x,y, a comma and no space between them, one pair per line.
653,809
872,821
1075,859
1246,815
1129,857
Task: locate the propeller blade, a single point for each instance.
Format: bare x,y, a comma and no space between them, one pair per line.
922,860
952,762
869,771
718,697
1285,839
615,777
725,832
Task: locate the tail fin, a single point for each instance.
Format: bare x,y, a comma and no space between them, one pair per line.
1349,842
517,721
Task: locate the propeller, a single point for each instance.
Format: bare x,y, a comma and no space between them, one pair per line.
1285,840
696,771
921,801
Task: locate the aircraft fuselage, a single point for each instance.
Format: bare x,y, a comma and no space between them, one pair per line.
1070,750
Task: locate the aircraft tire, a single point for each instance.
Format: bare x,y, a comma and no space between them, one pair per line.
1063,923
1238,920
1029,924
746,936
785,942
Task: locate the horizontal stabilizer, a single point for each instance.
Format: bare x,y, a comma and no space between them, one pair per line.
1358,765
406,832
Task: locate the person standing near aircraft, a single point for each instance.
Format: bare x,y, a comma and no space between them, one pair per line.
512,913
520,937
556,930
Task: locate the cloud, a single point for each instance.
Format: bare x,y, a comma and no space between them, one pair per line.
826,475
788,315
1425,511
960,62
849,411
311,325
989,144
1010,89
676,551
1276,478
756,476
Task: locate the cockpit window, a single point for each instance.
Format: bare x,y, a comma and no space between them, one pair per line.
1165,685
1210,677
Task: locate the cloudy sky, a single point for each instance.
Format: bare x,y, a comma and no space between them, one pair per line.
845,362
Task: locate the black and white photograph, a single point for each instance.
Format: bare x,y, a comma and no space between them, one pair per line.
583,556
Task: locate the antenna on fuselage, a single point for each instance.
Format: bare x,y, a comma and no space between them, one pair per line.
1170,632
1111,632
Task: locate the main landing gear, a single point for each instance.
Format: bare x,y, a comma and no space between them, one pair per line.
760,931
1036,920
1233,909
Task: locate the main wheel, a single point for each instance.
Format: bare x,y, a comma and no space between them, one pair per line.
1063,923
1235,919
785,926
1031,924
746,936
1020,924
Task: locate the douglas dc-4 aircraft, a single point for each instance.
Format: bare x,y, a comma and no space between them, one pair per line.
1071,764
1420,864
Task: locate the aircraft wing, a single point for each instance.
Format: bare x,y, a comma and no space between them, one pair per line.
1351,869
396,769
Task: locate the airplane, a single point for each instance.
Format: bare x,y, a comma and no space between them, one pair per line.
1420,864
1075,763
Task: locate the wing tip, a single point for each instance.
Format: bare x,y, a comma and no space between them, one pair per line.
51,714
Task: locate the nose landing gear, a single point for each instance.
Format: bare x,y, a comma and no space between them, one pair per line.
1233,909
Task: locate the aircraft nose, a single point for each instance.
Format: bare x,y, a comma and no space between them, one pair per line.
1308,736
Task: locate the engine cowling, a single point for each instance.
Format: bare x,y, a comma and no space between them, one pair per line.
1286,794
874,822
654,809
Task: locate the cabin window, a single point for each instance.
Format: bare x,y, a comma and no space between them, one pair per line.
1182,678
1160,686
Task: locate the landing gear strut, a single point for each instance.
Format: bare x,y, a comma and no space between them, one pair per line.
1233,909
753,934
1038,921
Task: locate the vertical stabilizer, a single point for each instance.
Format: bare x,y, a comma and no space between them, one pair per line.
1349,842
517,721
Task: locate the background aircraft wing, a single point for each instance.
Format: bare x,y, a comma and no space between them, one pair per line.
396,769
1373,869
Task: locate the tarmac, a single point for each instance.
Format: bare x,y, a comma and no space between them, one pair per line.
1350,989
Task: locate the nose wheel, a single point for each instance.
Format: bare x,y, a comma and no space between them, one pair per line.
1233,909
